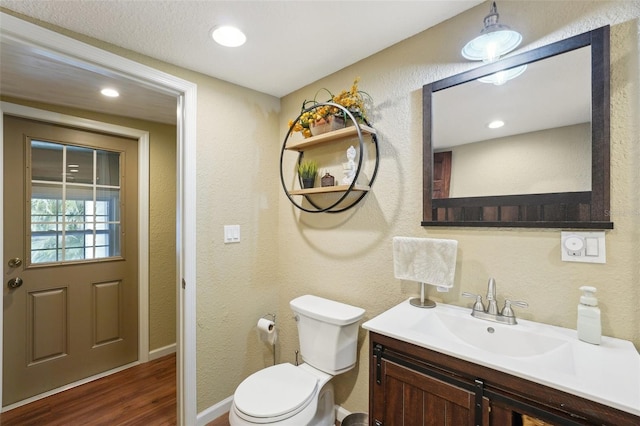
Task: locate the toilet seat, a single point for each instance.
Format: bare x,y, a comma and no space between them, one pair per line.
275,393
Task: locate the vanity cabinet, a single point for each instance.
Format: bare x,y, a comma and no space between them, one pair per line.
413,386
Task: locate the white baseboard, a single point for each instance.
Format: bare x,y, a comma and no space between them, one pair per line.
341,413
160,352
215,411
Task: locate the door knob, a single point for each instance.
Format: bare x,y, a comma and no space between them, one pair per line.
15,282
15,262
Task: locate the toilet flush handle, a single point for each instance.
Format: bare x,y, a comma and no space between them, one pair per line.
296,318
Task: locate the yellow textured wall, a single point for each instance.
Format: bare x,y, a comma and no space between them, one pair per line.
348,256
237,283
162,239
162,217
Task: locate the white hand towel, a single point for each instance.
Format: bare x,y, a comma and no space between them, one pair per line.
427,260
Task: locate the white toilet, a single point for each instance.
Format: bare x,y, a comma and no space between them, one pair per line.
289,395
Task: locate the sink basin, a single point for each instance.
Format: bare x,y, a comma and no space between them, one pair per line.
500,339
608,373
457,328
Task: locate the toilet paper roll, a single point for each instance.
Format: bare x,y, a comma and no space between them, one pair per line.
267,331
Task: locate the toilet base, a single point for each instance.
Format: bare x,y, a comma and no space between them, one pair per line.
326,412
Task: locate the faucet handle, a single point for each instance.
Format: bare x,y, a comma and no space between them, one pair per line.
478,306
507,311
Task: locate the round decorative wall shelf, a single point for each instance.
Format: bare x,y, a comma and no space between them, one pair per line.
344,196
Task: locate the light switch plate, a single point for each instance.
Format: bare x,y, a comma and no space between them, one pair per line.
231,234
585,247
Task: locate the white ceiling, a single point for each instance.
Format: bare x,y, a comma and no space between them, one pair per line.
38,75
289,43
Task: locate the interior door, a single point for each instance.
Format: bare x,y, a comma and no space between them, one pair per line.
70,276
441,174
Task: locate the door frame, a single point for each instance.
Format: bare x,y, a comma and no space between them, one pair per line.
143,199
79,54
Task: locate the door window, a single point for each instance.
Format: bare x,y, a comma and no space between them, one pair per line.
75,197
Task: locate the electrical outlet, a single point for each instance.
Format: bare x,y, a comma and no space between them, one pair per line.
585,247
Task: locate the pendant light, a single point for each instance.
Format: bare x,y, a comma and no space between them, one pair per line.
494,40
501,77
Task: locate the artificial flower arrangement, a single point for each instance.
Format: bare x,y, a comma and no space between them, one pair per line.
317,113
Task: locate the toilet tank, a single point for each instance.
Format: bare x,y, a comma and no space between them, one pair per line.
328,332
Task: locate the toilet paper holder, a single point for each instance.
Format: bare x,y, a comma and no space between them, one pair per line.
272,317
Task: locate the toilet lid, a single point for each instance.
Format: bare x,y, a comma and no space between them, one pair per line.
275,392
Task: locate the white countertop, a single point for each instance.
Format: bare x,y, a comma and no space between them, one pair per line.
608,373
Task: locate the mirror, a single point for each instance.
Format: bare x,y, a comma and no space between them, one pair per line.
544,143
547,165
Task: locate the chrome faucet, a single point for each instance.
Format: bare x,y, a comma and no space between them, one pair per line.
506,316
491,297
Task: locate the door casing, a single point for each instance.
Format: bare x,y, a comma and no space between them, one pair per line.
76,53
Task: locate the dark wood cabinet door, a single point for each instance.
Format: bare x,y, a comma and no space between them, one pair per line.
415,399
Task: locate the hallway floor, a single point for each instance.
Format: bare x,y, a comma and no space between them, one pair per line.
144,395
140,395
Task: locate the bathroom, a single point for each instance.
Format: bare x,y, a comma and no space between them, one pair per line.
285,253
348,256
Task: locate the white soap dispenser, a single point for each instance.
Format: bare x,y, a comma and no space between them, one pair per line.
589,327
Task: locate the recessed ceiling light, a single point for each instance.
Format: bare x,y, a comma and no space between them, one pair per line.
111,93
228,36
496,124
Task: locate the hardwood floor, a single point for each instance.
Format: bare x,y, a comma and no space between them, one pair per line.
141,395
220,421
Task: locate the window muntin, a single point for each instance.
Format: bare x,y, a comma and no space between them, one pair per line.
75,203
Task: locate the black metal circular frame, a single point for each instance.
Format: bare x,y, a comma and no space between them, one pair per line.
331,208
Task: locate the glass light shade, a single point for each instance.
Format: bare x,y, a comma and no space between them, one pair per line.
494,40
490,46
501,77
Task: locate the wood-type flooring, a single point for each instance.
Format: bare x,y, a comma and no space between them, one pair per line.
141,395
144,395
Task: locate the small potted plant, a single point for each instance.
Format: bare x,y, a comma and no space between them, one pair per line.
308,170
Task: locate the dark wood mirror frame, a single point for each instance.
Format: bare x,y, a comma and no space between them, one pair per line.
586,209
